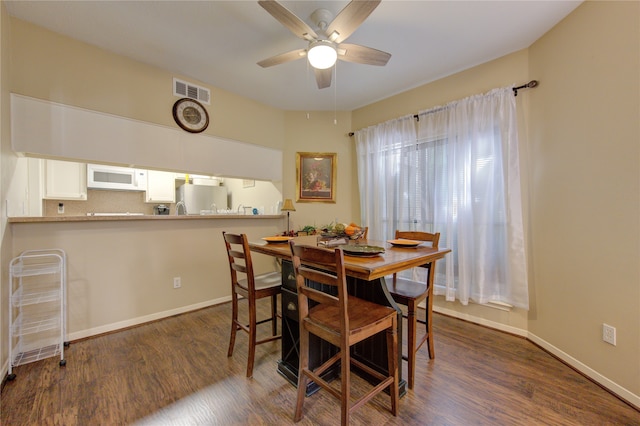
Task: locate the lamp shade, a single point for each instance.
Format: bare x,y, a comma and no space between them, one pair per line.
322,54
288,206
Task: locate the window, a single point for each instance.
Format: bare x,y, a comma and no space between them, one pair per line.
456,172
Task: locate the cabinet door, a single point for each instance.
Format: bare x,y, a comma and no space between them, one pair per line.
65,180
161,187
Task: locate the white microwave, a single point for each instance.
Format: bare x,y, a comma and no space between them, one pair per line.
116,178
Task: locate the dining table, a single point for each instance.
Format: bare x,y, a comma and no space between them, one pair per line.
367,263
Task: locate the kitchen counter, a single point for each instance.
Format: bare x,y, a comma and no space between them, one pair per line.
133,217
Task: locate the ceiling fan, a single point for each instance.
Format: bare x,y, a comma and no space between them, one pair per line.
325,48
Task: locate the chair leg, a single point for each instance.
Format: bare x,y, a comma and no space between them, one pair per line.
392,357
411,341
234,323
274,314
302,378
432,353
252,336
345,377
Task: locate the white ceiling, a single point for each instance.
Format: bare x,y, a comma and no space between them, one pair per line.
220,42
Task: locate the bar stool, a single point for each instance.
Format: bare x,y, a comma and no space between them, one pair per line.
251,287
411,294
342,321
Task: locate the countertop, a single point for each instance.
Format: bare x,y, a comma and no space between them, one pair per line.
124,217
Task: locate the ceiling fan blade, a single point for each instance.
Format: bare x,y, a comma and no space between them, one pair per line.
283,57
323,77
362,54
349,19
296,25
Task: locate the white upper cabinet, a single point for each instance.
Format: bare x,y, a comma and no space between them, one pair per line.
161,187
65,180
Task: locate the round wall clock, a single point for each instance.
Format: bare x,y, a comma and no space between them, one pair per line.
190,115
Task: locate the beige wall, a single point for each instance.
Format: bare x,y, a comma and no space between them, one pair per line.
318,133
584,147
7,167
510,69
49,66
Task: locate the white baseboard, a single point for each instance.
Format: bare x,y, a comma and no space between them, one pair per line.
141,320
611,386
481,321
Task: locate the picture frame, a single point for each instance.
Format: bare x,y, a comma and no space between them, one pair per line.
316,177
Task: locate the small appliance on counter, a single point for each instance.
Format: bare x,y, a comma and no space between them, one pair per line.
160,209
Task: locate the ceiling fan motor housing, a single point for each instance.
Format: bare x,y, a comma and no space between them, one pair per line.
321,18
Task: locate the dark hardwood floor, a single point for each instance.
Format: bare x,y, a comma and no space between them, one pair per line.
176,372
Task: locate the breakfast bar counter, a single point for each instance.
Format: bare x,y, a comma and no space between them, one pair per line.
136,217
122,270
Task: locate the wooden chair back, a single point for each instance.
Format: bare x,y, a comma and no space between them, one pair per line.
252,288
365,232
434,239
239,255
332,275
420,236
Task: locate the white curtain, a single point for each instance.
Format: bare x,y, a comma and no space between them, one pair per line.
378,149
455,172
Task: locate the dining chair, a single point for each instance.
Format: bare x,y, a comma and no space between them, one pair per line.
252,288
343,321
410,294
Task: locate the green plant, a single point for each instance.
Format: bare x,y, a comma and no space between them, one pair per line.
326,228
309,229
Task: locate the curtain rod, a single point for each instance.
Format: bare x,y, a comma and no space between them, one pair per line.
529,85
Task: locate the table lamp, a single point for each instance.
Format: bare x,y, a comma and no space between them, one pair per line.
288,207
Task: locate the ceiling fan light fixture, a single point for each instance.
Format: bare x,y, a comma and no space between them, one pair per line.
322,54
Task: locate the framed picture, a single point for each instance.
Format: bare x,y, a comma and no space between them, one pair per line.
316,176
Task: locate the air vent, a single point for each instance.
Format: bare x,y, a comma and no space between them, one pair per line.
187,90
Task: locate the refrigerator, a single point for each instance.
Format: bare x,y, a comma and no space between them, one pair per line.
199,199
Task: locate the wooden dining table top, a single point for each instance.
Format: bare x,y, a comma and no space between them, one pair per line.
394,259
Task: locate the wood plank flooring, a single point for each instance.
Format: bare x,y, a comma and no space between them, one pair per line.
176,372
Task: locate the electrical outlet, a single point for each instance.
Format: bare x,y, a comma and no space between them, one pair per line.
609,334
177,283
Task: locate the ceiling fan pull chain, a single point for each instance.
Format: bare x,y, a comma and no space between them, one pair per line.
335,94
